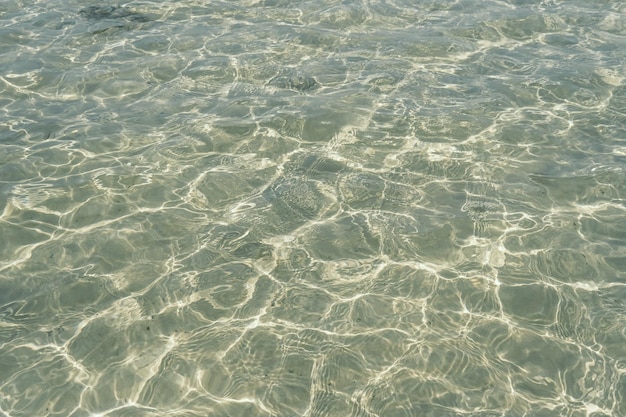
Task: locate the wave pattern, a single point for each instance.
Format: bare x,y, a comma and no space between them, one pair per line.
346,208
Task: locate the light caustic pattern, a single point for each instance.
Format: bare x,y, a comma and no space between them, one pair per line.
276,208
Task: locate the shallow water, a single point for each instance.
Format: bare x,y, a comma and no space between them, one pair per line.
338,208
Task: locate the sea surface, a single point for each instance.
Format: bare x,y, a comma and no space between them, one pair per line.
317,208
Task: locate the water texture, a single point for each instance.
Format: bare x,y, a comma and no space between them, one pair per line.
329,208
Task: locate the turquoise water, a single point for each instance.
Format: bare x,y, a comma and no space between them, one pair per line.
313,208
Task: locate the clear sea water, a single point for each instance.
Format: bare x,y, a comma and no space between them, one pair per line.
282,208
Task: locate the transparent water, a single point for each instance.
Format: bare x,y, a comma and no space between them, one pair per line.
313,208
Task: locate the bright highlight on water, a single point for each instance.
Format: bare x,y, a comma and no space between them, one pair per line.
285,208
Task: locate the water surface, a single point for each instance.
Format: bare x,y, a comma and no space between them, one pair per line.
337,208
